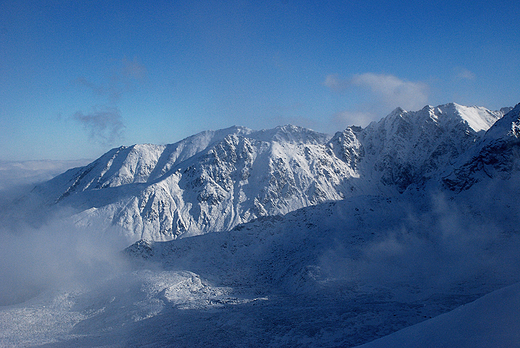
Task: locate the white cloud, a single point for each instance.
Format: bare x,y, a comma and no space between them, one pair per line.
380,93
392,91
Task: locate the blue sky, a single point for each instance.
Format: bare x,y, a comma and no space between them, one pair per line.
80,77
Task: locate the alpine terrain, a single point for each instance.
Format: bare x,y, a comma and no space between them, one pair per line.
278,238
216,180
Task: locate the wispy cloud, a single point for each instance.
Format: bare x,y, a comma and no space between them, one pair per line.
104,124
99,91
393,91
464,74
335,83
127,74
382,93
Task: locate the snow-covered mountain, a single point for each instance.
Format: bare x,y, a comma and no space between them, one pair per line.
328,241
495,156
209,182
407,148
216,180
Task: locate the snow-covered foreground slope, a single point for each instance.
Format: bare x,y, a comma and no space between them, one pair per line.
216,180
338,274
491,321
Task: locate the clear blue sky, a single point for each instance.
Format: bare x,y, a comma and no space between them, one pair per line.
80,77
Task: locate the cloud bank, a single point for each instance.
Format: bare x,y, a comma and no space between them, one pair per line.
16,173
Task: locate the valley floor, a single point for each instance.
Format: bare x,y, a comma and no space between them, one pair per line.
178,308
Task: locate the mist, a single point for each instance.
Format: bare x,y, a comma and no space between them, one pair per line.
42,249
443,245
56,255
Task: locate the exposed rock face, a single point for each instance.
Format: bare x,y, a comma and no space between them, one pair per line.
410,147
496,155
216,180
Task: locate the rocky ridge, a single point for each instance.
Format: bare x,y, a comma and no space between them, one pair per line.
215,180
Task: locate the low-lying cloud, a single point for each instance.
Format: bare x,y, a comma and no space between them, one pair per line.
445,246
55,254
41,249
16,173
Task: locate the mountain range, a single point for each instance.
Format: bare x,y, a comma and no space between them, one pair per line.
289,238
215,180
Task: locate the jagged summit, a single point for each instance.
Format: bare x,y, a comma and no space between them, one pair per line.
211,181
495,156
410,147
291,134
214,180
477,118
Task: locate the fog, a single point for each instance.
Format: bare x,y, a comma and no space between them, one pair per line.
458,245
56,255
41,250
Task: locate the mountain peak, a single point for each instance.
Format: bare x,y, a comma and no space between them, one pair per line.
291,134
508,125
214,180
477,117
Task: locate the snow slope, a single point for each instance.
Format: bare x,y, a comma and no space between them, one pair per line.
490,321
